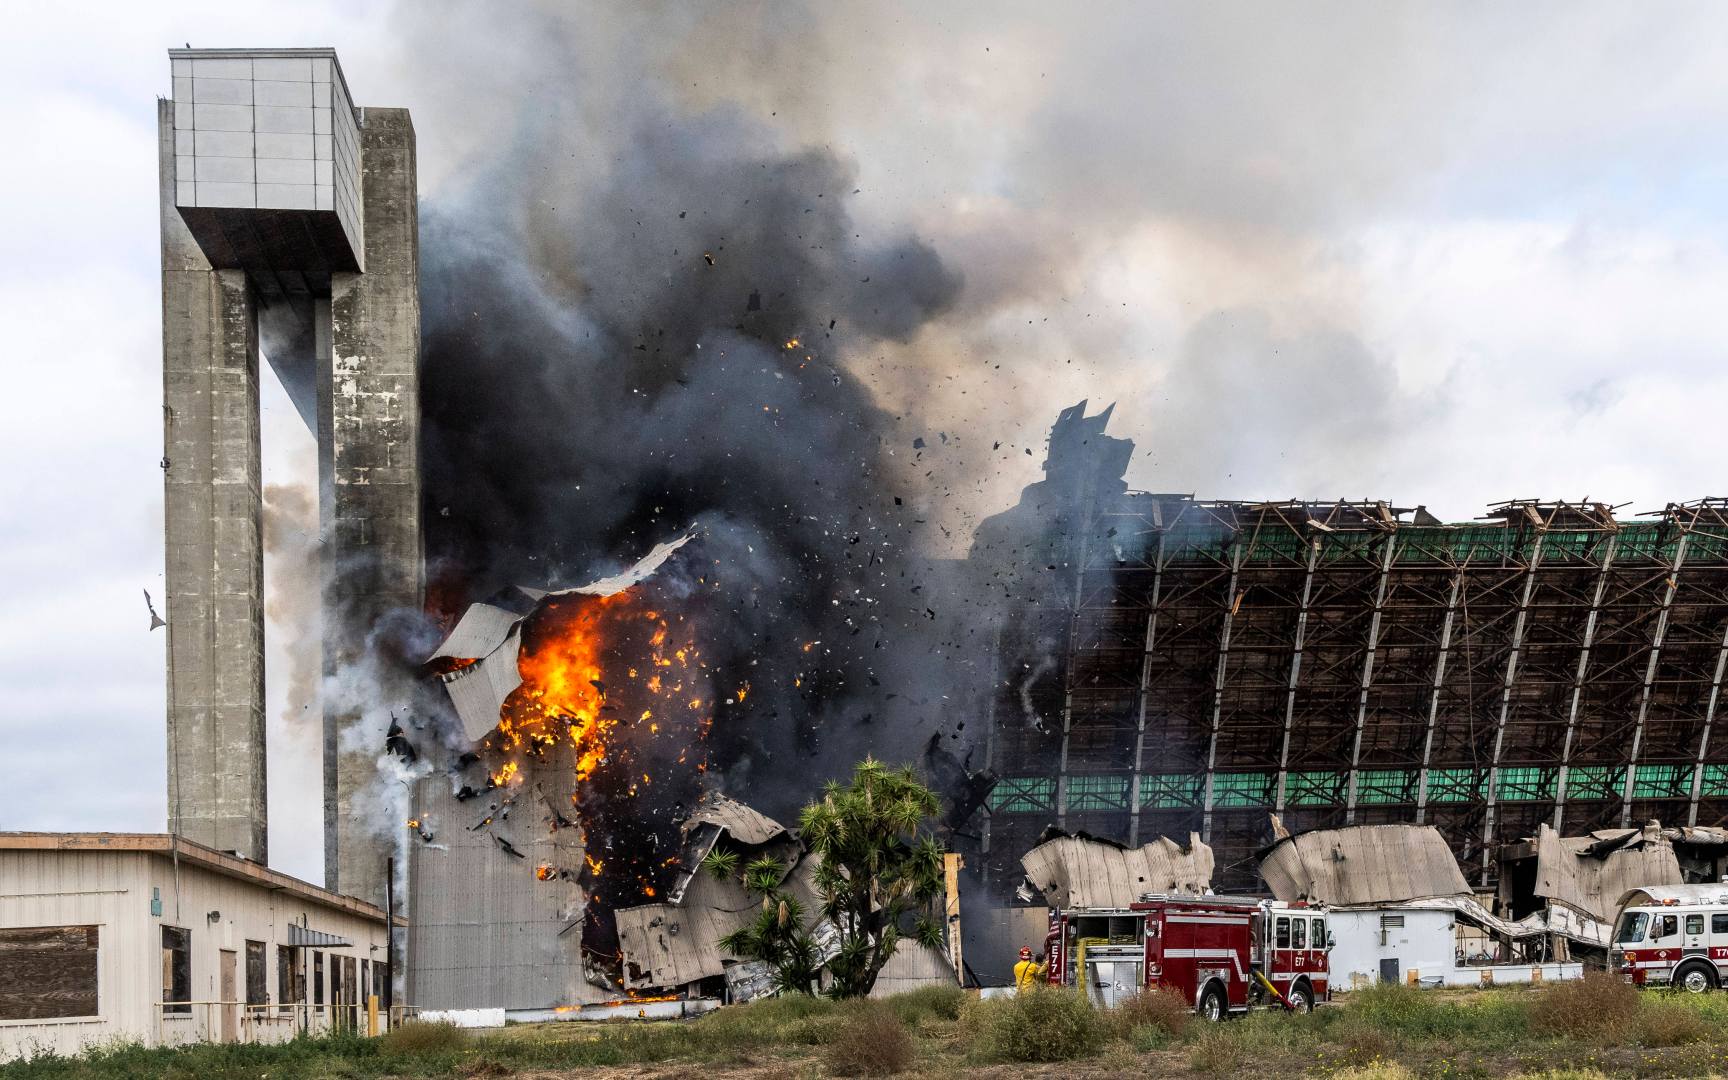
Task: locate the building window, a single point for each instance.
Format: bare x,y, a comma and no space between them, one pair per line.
48,972
176,969
317,978
255,992
287,978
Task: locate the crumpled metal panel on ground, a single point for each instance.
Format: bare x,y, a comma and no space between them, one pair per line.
1363,864
674,943
1076,871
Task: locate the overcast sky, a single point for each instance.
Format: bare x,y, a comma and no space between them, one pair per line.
1447,254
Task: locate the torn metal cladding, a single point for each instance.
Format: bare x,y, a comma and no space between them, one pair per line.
1171,664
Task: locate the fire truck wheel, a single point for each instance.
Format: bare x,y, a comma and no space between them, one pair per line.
1211,1007
1695,978
1301,998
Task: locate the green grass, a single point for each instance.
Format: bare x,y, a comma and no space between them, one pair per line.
1384,1033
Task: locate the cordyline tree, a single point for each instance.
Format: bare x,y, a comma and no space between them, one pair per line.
878,870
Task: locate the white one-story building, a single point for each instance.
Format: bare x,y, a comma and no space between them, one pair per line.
153,939
1434,942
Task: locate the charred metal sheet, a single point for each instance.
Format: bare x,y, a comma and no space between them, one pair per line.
1363,865
1077,871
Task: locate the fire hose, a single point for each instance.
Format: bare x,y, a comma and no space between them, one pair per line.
1273,990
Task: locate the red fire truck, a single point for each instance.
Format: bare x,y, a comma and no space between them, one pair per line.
1673,935
1226,954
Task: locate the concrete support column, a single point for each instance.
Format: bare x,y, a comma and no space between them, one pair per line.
213,531
369,398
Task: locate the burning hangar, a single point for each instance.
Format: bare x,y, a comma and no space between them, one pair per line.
1165,666
1173,665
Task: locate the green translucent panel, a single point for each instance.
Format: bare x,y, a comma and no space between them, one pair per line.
1385,786
1662,782
1525,785
1097,793
1596,782
1170,791
1242,789
1703,547
1024,795
1642,541
1454,785
1277,545
1570,546
1314,789
1715,783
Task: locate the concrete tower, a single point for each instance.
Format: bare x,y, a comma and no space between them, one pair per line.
289,217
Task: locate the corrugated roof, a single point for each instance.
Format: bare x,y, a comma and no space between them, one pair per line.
1363,864
1073,871
1580,871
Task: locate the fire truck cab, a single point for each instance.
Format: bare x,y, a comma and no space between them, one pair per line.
1673,935
1224,954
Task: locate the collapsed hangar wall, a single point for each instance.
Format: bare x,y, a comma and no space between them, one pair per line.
1177,665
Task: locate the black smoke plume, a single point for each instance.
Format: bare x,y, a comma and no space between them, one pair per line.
617,348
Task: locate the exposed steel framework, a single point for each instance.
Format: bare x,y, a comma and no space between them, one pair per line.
1345,663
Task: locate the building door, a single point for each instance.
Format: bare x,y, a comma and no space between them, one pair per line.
230,995
1389,970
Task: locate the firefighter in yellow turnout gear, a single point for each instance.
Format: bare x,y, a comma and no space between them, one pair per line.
1028,973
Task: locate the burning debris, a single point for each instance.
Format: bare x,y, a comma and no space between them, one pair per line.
590,704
